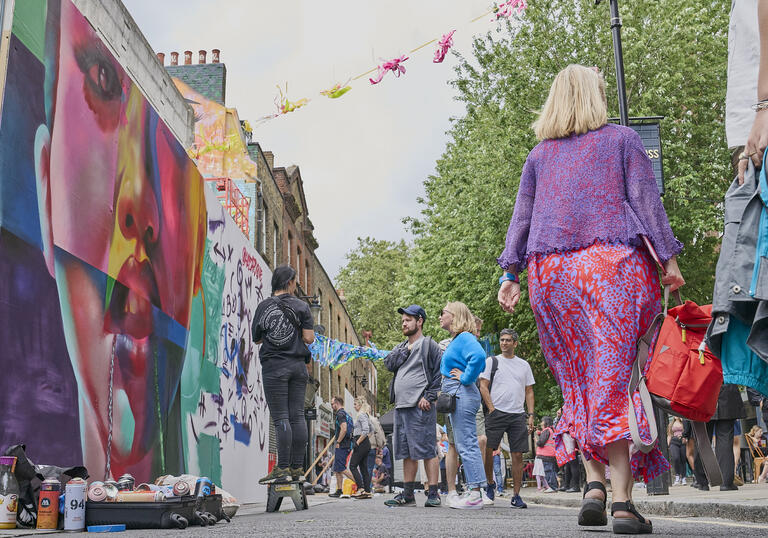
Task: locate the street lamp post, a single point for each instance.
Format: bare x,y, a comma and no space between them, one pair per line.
618,56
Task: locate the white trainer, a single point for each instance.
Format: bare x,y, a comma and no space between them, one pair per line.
471,500
451,498
487,501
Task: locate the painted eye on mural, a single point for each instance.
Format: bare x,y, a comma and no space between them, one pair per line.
101,76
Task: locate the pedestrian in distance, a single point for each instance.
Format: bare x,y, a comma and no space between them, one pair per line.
482,438
545,451
506,385
283,325
380,477
587,213
499,470
677,450
358,462
343,448
416,367
463,361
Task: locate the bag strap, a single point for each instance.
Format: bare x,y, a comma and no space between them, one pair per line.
286,310
708,459
494,367
637,382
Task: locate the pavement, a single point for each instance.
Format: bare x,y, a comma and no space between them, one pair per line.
748,503
551,515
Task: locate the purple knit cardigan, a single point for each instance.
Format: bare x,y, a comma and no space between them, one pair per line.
594,187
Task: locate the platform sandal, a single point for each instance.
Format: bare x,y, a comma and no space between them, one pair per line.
592,513
629,525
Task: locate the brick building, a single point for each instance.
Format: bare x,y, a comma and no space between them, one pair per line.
278,222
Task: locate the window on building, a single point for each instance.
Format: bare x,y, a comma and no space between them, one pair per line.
331,334
306,274
346,337
298,267
290,251
263,229
338,326
275,233
320,301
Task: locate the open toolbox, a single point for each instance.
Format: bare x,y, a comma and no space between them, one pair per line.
174,512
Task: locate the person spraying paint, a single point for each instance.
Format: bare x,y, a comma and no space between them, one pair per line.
283,325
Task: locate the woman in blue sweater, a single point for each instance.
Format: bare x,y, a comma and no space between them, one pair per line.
462,363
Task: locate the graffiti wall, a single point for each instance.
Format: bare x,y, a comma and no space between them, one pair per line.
126,293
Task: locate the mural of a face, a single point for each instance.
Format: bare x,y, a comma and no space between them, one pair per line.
126,271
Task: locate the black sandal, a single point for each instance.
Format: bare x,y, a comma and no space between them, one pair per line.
592,513
629,525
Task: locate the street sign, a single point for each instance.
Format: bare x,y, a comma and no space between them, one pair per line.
310,413
650,134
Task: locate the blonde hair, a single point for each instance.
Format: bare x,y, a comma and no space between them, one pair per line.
363,403
669,428
753,431
576,104
463,319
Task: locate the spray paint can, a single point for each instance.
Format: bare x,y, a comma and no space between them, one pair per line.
203,487
96,492
48,504
181,489
126,483
140,496
74,507
9,493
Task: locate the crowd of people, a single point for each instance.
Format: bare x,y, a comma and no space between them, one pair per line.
590,230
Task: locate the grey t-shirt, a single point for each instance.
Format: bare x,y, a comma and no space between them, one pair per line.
411,380
362,424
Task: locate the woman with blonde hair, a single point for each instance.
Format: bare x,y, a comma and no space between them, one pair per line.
463,361
586,205
358,461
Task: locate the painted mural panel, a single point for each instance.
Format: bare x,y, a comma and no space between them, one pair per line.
124,291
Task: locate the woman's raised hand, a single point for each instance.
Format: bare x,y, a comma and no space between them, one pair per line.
672,276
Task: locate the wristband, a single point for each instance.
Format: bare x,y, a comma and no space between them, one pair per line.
508,277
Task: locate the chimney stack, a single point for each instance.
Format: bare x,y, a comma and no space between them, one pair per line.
174,58
161,57
202,57
215,56
270,157
187,57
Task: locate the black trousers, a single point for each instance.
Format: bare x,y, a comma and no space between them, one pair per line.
723,430
572,474
285,384
677,457
358,465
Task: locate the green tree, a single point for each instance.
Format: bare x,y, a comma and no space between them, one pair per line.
370,279
675,60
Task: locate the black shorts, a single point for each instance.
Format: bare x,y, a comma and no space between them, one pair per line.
513,424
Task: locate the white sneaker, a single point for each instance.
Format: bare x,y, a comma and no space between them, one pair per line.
471,500
682,481
487,501
451,498
549,490
677,480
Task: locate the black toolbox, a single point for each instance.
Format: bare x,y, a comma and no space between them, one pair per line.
174,512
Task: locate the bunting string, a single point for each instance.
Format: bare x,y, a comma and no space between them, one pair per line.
503,10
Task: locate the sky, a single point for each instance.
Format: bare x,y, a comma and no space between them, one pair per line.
363,157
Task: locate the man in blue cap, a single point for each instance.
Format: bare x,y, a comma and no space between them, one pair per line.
416,367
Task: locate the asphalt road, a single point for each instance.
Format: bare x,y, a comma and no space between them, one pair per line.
348,517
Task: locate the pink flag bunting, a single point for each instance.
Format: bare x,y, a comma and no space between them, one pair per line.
445,43
506,9
395,65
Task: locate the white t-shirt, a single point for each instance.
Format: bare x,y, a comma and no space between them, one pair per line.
508,389
743,60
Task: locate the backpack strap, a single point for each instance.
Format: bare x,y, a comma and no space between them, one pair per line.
494,367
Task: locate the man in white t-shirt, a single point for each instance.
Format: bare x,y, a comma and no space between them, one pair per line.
506,386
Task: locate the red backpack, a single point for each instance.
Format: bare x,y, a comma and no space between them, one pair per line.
683,379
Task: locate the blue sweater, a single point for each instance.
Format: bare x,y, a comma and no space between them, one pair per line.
465,353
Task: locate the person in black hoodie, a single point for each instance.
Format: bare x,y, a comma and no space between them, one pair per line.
283,325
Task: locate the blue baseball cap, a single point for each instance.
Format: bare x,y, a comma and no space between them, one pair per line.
413,310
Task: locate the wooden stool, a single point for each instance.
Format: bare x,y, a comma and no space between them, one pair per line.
294,490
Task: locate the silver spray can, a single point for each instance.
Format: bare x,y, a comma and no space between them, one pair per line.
74,505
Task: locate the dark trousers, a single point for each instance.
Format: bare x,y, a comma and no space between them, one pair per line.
723,430
285,384
550,471
677,457
358,465
572,474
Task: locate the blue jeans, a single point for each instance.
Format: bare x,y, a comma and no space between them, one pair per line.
550,472
465,430
498,474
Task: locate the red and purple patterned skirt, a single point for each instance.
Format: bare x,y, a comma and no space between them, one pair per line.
591,306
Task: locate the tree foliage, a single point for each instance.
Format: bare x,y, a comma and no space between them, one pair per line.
371,279
675,54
